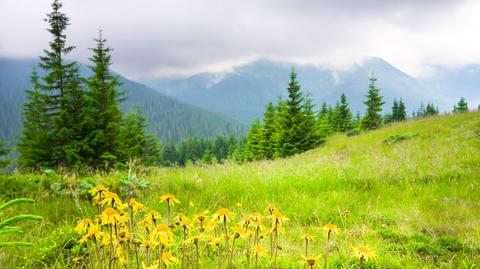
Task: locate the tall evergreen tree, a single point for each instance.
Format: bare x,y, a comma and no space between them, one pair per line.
311,136
105,100
343,115
169,153
253,148
60,99
324,126
402,111
291,134
357,121
398,112
395,110
267,143
37,132
372,119
461,106
137,142
280,114
208,157
431,110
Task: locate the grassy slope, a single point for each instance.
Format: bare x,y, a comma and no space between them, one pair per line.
416,202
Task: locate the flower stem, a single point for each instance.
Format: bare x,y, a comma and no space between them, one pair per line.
326,251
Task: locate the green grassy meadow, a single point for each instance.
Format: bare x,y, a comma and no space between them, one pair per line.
410,191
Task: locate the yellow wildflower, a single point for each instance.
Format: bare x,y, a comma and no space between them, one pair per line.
212,224
112,198
365,253
168,259
163,234
123,218
278,218
124,235
148,243
82,226
331,228
224,213
270,208
135,206
255,216
215,241
105,239
97,191
310,260
109,216
308,237
259,251
179,217
186,224
170,199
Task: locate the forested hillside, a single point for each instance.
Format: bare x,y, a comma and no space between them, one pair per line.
167,117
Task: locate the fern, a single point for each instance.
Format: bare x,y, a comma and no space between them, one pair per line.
16,201
5,225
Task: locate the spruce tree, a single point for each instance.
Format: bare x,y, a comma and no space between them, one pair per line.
169,153
357,121
267,142
137,142
253,147
311,136
430,110
461,106
3,152
343,116
63,122
402,111
280,114
395,111
37,132
208,157
372,119
335,117
323,121
105,100
395,114
421,111
291,134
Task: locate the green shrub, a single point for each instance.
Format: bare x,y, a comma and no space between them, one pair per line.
398,138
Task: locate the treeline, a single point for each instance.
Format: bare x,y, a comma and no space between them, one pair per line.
291,127
202,150
75,121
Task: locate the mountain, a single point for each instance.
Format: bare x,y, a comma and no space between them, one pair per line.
168,118
456,83
243,92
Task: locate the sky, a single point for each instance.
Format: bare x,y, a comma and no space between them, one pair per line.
158,38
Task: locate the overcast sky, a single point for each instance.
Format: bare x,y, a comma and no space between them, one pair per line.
181,37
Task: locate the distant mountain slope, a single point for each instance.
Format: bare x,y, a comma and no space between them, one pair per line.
454,83
168,118
244,92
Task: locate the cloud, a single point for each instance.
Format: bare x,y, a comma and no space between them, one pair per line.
166,37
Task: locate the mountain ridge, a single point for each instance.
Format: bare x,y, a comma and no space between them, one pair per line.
243,92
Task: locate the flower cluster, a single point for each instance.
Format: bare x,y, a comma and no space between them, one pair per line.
135,236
